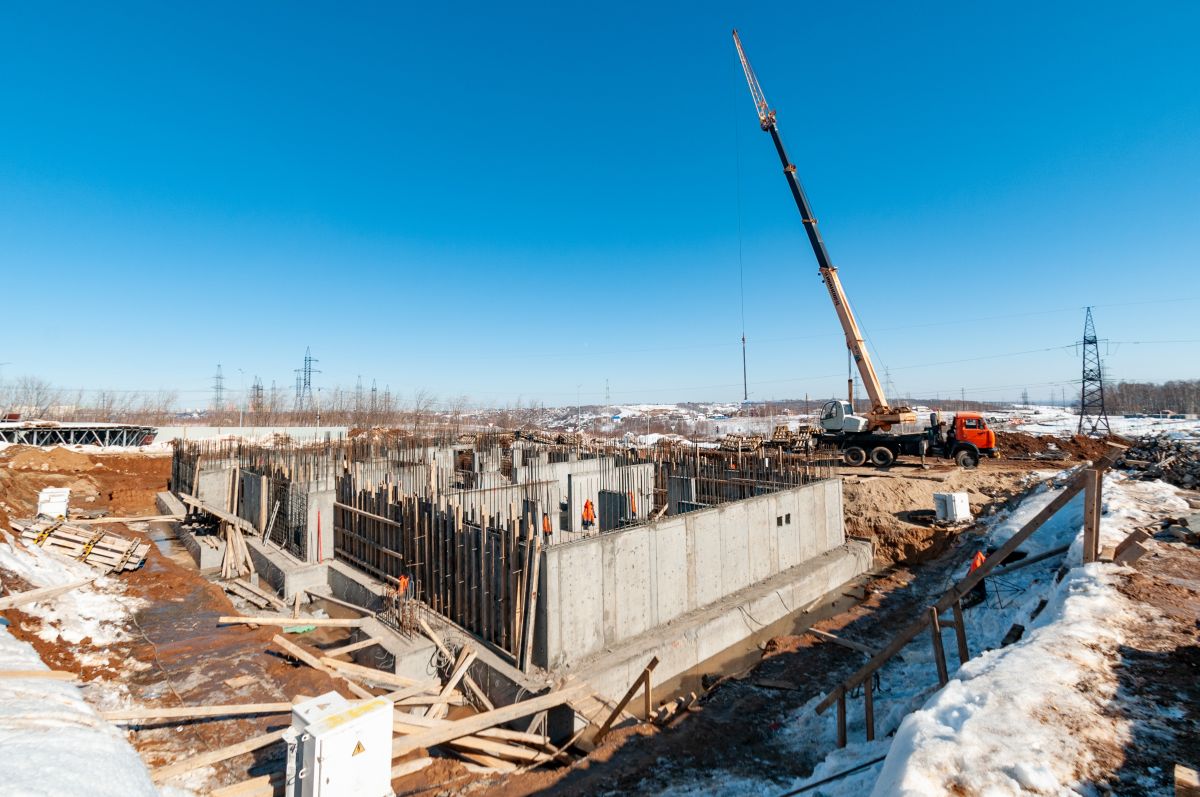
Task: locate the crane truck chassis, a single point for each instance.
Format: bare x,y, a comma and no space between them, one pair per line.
966,440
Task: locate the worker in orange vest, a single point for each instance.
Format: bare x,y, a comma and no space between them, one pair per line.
546,524
977,562
632,505
589,514
403,586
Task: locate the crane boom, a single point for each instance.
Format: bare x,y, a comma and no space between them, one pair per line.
881,413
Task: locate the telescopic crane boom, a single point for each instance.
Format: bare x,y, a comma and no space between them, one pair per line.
881,415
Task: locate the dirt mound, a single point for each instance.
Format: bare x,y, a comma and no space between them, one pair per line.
894,508
1018,445
59,460
121,484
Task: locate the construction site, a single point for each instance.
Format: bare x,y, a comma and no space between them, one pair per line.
860,591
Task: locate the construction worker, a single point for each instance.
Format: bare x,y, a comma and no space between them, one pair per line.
589,514
402,587
632,505
978,593
546,525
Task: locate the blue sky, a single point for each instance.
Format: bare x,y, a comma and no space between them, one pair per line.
521,202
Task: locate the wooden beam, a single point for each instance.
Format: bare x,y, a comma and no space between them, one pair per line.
939,653
960,590
960,633
263,785
39,675
869,707
339,602
344,649
1091,520
41,593
368,673
468,681
846,643
642,679
333,622
406,768
195,712
487,719
215,756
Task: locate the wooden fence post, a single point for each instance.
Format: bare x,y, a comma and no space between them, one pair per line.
1091,515
939,653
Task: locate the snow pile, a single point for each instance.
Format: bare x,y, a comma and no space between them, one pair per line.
1028,718
54,742
98,612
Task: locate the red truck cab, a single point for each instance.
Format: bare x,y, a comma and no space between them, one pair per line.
970,427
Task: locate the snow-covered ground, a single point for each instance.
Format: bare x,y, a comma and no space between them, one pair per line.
55,743
1013,720
1061,421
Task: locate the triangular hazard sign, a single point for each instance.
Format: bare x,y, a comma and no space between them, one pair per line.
358,748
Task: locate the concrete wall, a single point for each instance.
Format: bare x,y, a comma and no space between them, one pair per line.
600,590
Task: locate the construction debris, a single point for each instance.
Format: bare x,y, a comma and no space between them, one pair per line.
1174,461
102,550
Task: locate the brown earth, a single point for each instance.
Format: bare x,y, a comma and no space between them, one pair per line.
115,484
894,507
1080,447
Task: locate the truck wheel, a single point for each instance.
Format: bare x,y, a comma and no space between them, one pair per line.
882,456
854,456
966,459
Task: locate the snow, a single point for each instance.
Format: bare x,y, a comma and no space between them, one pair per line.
55,743
1038,716
1064,422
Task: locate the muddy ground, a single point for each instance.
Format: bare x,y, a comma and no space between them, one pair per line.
179,656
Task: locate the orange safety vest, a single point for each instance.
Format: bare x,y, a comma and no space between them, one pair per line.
589,514
632,503
545,523
403,585
977,562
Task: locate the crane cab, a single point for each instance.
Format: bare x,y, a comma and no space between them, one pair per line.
971,427
838,416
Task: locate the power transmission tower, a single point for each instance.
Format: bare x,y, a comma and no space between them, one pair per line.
304,388
218,390
257,404
1093,419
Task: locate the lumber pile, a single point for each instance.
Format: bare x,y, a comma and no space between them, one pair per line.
1176,462
103,550
741,442
236,562
253,595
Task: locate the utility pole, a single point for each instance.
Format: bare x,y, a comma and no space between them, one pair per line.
241,398
1093,419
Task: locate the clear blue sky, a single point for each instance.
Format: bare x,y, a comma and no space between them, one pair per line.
522,201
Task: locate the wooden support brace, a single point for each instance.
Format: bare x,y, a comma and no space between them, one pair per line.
960,633
939,653
643,679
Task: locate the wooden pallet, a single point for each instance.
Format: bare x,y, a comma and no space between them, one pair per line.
101,549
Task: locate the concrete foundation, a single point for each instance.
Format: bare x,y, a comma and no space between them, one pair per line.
693,638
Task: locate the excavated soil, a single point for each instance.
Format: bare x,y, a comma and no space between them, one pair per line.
1078,447
894,507
114,484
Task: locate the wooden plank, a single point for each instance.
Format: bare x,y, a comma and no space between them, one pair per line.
840,697
367,673
195,712
963,587
960,633
641,680
334,622
366,643
846,643
465,657
869,707
487,719
1091,523
531,611
1187,782
939,653
468,681
41,593
340,602
261,786
38,675
413,766
502,750
215,756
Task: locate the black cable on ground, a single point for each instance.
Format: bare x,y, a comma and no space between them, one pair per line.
831,778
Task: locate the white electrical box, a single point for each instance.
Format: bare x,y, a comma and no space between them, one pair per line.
52,501
337,748
952,507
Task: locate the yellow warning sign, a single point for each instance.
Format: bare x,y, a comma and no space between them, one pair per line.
358,748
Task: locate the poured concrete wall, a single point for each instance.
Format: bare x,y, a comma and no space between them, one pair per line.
598,591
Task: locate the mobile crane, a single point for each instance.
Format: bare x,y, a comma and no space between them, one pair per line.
870,436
